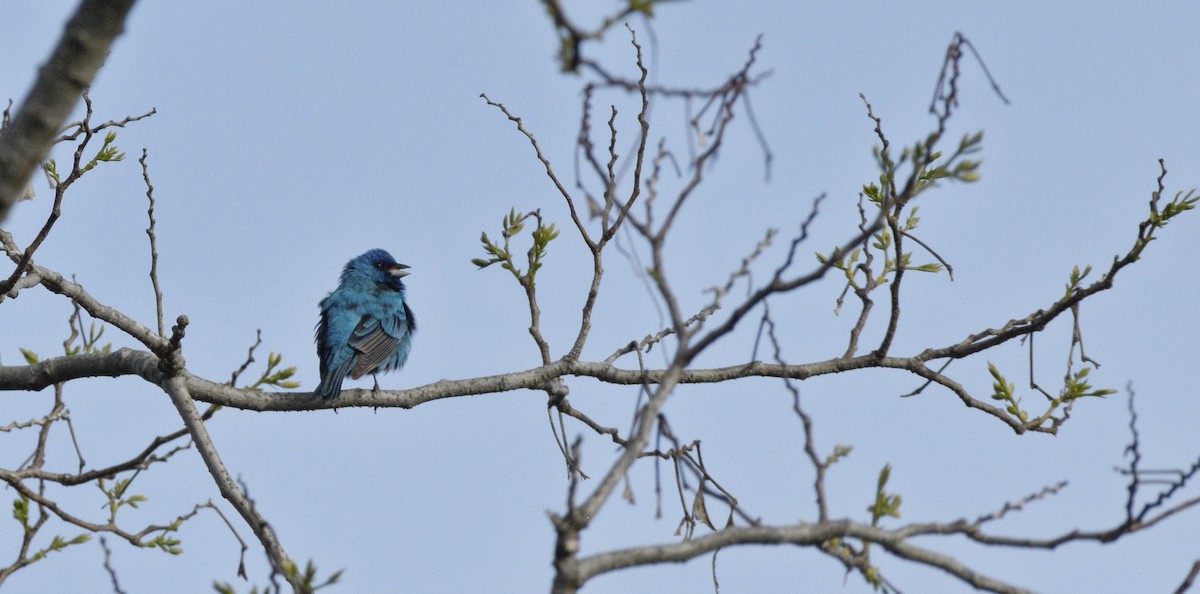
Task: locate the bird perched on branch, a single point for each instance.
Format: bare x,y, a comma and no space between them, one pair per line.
366,327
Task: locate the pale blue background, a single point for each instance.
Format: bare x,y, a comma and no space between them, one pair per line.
291,138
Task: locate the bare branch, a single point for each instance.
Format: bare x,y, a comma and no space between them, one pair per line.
57,284
803,534
80,53
158,297
176,388
546,163
112,573
1011,506
145,365
1190,579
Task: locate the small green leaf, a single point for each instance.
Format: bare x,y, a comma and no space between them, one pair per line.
21,512
839,451
885,505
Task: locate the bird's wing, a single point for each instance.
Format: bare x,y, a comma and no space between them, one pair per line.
374,343
331,381
333,331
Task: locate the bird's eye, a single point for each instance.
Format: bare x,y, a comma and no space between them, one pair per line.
378,265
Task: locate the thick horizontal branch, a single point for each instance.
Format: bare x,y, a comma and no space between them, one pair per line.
46,373
146,365
130,362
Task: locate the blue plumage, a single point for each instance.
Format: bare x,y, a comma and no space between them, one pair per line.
366,327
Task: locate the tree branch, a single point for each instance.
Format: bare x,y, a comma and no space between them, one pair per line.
176,388
80,53
803,534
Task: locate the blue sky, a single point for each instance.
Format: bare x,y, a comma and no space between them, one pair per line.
289,140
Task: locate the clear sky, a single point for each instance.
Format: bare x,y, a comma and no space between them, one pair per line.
291,138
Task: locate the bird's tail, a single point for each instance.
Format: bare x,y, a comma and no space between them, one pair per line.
331,384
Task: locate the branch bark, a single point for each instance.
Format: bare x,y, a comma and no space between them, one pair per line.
80,53
176,388
801,534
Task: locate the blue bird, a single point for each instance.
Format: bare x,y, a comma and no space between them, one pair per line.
366,327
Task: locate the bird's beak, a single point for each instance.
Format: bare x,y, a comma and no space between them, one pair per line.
398,270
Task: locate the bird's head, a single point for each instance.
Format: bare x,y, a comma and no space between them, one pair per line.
378,266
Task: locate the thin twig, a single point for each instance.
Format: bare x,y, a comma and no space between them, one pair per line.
158,297
112,573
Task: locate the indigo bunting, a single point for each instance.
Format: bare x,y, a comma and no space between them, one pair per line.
366,327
